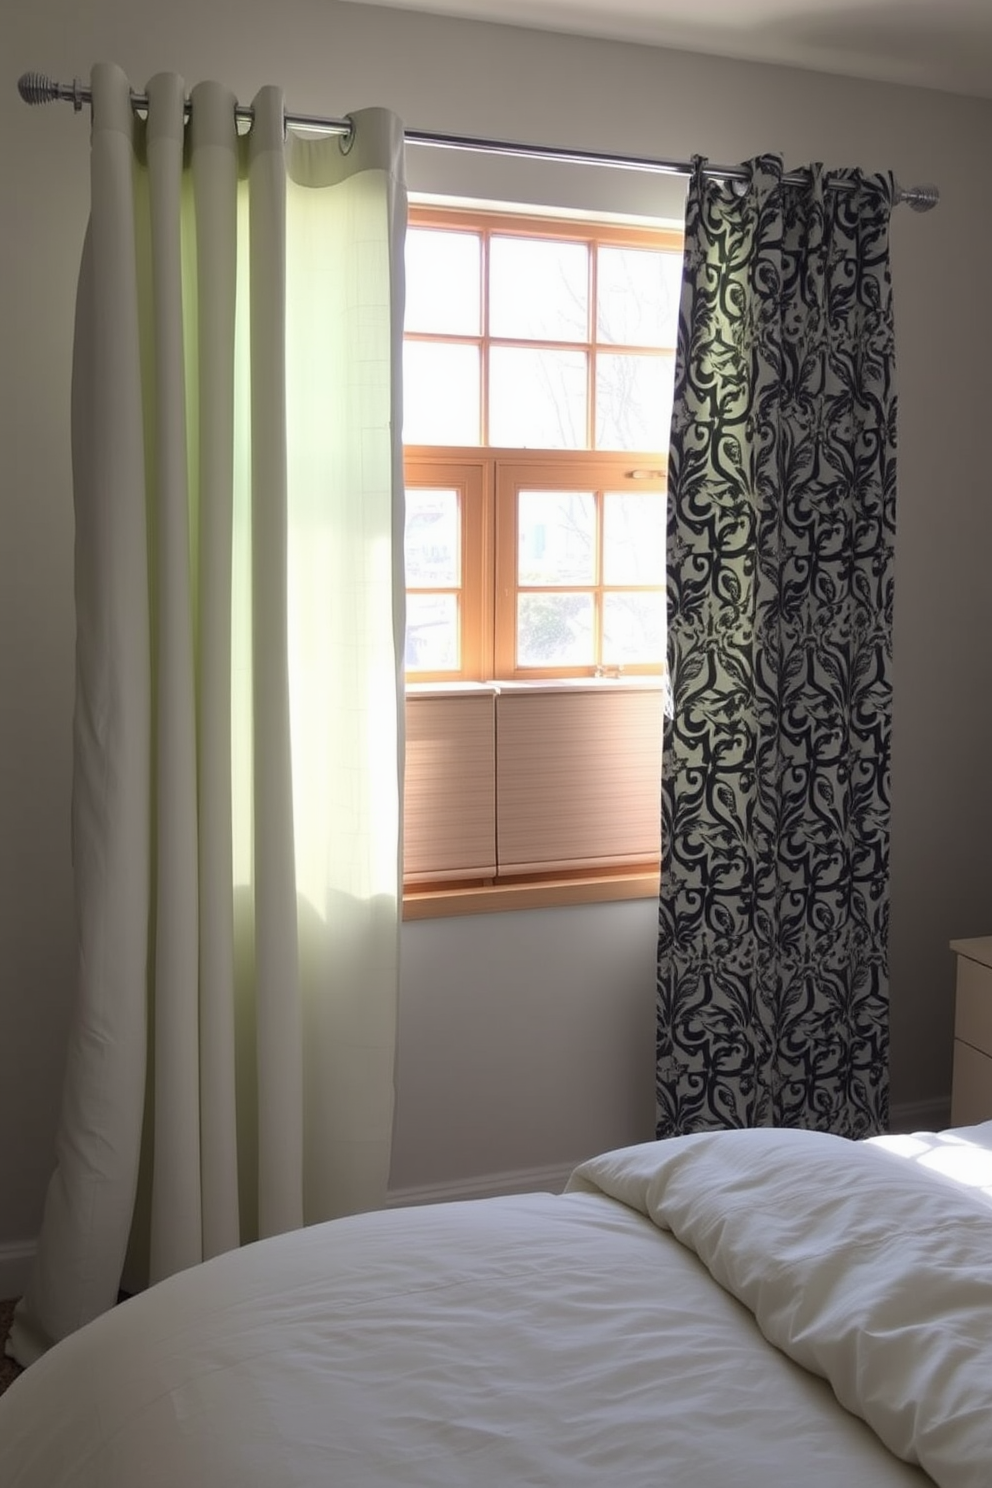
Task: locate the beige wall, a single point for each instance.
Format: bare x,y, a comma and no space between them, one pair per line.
525,1040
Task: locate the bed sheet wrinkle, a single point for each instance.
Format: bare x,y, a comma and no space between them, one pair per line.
543,1340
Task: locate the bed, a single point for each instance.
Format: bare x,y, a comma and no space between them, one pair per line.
725,1310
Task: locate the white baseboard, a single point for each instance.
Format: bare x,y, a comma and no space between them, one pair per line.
16,1261
488,1186
928,1115
909,1116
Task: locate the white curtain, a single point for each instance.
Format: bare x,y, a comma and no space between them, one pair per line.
237,738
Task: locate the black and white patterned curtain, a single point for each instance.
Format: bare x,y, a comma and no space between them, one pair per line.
772,954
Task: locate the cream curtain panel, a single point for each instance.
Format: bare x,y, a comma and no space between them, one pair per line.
236,805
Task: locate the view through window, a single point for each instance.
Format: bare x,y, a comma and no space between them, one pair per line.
538,371
527,335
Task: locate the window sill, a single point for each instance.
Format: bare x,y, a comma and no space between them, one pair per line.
434,902
624,683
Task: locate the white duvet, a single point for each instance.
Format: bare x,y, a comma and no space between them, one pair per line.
869,1264
562,1340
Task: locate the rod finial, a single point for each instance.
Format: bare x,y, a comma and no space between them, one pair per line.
921,198
35,87
38,87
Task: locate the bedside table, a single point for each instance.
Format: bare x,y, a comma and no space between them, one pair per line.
971,1086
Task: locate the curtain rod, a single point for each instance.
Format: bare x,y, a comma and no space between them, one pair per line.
37,88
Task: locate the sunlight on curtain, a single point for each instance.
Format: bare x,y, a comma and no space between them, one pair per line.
345,636
238,761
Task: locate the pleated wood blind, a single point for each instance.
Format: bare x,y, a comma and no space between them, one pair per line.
531,781
449,813
578,779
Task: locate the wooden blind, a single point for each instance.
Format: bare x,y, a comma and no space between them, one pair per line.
536,780
578,778
450,787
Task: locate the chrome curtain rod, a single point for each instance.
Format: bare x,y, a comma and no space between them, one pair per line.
36,88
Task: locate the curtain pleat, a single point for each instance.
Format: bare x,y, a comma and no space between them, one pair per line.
91,1194
176,1223
214,167
238,747
277,973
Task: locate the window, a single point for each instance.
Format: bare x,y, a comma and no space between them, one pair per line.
538,369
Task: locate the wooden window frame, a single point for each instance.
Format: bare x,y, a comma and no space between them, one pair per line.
488,479
487,225
470,473
599,471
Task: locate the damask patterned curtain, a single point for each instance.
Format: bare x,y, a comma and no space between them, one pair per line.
772,957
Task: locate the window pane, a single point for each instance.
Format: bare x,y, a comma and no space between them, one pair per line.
440,393
538,290
633,401
556,537
633,628
537,399
443,284
638,292
554,630
431,633
634,538
433,539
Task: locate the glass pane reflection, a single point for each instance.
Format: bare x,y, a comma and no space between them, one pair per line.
556,537
431,632
432,546
443,282
634,396
537,399
554,630
634,537
440,393
538,289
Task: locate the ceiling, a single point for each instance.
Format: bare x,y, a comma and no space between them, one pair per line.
928,43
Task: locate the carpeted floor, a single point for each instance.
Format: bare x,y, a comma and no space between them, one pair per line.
8,1369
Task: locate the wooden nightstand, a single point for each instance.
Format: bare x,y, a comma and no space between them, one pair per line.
971,1087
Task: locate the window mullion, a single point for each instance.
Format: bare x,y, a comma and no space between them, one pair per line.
598,599
487,571
592,333
484,348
